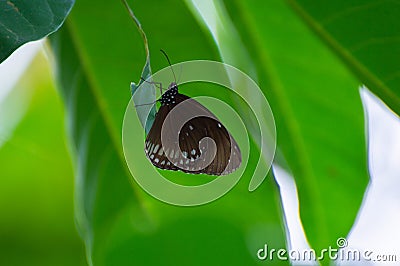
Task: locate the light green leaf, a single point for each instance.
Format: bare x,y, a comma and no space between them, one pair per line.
318,112
365,35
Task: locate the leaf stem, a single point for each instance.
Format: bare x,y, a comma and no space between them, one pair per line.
139,26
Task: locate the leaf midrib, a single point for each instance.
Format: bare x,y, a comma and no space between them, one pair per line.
100,103
373,82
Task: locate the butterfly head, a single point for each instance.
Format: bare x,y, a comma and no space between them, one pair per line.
169,96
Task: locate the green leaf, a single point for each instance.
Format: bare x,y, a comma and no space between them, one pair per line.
233,52
100,172
318,113
98,53
22,21
365,35
144,97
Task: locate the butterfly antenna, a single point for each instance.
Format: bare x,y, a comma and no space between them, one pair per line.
180,74
169,62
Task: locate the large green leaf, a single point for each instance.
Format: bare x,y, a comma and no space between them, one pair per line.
318,114
98,52
366,35
22,21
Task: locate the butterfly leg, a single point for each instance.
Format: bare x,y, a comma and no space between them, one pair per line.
157,84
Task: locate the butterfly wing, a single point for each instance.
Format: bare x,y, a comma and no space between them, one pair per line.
197,154
154,149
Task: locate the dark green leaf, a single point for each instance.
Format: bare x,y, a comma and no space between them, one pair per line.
23,21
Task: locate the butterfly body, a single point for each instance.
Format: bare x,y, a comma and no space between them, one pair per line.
187,136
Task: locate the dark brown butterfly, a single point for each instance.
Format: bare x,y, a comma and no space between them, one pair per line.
186,136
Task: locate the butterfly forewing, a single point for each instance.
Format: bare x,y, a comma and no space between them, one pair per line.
188,147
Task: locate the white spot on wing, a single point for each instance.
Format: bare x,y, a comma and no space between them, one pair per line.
156,148
151,148
193,152
190,127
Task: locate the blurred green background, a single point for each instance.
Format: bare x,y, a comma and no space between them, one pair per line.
36,193
62,166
